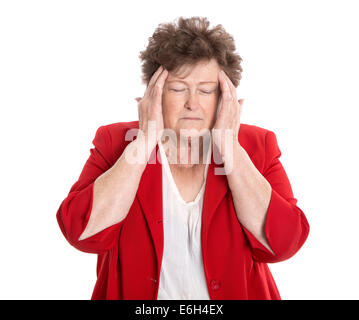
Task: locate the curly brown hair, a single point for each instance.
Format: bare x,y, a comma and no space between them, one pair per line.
187,42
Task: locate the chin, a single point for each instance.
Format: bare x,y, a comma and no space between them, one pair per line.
185,166
193,130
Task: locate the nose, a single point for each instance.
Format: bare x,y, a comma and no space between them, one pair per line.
192,102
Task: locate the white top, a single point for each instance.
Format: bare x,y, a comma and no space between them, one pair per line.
182,275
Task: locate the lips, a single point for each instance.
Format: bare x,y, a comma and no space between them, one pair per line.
191,118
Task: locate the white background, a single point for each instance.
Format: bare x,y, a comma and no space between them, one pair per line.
68,67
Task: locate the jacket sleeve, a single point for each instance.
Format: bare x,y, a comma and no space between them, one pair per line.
74,211
286,227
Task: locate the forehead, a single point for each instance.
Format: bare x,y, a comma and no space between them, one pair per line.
188,82
203,72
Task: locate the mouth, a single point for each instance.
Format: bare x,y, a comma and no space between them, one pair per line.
190,118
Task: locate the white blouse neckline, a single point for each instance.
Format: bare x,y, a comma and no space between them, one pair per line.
167,168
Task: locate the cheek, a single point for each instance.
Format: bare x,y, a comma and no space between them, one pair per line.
210,115
170,101
170,113
211,111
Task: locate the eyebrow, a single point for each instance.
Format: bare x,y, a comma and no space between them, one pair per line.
186,82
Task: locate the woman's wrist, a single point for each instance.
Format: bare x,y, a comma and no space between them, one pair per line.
233,157
143,147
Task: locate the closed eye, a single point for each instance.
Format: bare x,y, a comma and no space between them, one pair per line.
207,92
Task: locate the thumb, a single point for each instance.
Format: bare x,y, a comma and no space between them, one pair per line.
240,106
138,99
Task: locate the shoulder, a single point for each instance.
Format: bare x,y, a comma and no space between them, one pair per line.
252,136
251,129
121,127
117,131
258,143
118,135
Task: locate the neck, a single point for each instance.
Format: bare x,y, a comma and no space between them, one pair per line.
185,154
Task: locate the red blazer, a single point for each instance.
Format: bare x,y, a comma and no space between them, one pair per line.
130,252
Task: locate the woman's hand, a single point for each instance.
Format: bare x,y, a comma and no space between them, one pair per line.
227,124
150,108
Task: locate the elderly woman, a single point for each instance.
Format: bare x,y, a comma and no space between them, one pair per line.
166,228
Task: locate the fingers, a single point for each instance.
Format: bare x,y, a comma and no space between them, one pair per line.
157,87
240,101
154,77
230,105
156,83
231,86
227,86
226,93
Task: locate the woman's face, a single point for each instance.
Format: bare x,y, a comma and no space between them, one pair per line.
190,102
